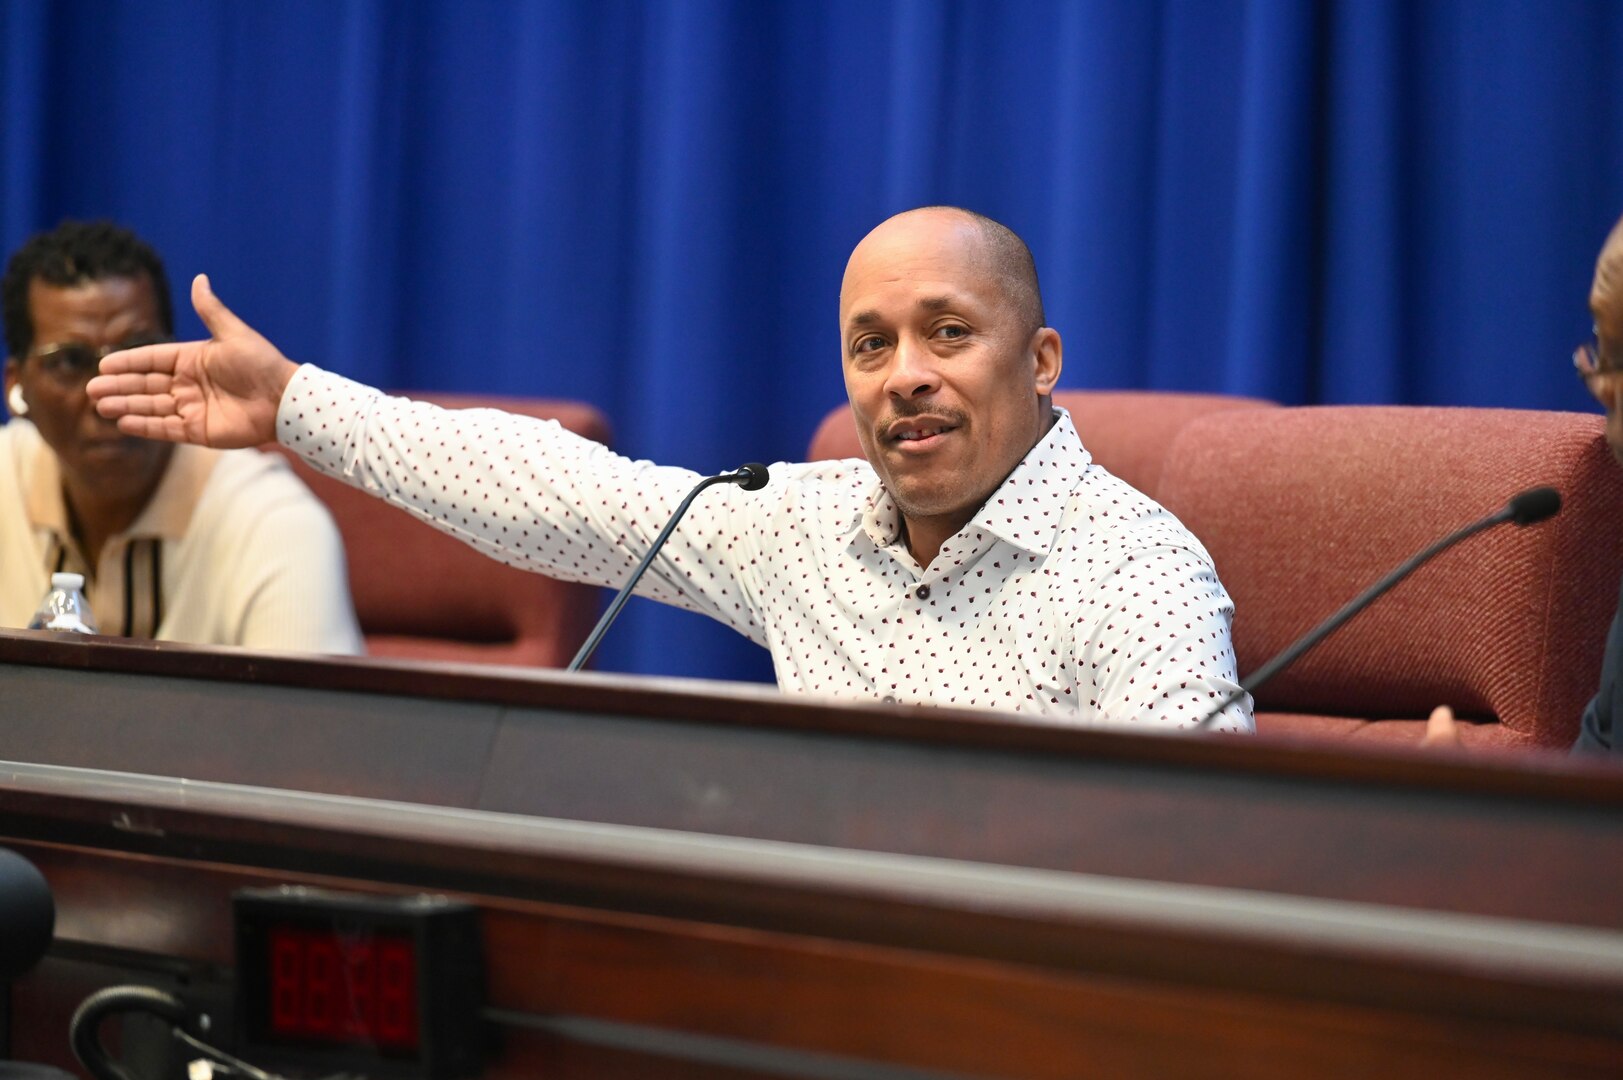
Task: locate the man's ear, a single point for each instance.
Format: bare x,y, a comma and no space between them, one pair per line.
1050,359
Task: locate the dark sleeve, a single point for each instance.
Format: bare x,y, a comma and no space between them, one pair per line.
1595,735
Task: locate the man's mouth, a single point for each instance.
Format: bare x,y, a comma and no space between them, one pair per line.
919,430
107,447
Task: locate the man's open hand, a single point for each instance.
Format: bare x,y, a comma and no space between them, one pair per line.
222,392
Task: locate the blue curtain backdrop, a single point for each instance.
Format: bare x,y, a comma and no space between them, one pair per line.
648,205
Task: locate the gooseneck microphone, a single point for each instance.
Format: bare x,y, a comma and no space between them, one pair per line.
751,477
1527,508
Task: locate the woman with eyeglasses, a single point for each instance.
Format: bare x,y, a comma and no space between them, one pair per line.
180,543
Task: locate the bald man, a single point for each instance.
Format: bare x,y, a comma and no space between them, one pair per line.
976,559
1600,363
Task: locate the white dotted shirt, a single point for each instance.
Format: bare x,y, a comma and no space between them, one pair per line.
1069,596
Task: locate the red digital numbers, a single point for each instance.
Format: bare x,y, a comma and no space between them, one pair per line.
334,989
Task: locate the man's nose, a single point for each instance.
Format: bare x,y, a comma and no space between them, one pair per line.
914,371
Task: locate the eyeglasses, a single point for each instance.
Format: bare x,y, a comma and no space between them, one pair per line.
73,363
1602,373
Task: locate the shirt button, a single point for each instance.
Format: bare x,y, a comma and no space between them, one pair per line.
890,699
924,592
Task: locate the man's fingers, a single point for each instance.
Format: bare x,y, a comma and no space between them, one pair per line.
166,428
161,404
150,405
140,393
133,382
219,319
160,358
1440,728
113,407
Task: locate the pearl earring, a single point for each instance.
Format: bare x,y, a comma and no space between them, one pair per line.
15,401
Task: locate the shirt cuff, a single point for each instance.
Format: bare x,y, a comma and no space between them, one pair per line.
318,412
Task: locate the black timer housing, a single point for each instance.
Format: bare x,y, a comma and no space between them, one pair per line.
387,986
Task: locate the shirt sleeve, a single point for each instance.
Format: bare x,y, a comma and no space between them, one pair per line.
532,494
1155,641
1597,733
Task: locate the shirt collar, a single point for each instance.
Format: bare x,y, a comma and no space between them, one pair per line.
167,515
1024,511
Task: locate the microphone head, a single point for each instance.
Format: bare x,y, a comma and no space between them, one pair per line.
1534,505
27,912
751,477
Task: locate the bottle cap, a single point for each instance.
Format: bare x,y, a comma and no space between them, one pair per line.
67,581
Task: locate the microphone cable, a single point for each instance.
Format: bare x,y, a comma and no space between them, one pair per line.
84,1034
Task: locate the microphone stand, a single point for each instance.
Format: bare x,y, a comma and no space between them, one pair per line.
751,477
1525,509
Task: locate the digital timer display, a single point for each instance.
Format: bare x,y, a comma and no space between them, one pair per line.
343,988
389,986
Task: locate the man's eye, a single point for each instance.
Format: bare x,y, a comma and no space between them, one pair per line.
869,343
952,330
68,361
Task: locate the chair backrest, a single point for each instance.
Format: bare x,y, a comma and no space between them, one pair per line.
419,594
1126,431
1303,508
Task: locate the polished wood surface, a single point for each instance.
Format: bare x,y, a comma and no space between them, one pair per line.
681,879
785,955
1537,837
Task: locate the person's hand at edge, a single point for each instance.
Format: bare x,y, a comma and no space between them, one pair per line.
1441,728
223,392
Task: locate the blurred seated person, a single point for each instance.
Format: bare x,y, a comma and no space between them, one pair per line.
180,543
1600,363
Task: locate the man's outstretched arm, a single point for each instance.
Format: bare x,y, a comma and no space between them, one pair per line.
223,392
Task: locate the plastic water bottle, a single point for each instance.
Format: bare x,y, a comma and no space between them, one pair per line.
65,607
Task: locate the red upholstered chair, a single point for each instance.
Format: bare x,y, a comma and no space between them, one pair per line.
1303,508
421,595
1126,431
